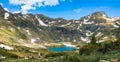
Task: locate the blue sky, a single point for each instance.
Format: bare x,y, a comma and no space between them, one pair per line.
68,9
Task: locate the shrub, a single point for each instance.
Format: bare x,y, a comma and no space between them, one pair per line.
93,39
106,47
14,56
87,49
54,54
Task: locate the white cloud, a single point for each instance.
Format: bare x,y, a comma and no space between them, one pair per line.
6,9
51,2
32,4
16,12
77,10
1,4
27,7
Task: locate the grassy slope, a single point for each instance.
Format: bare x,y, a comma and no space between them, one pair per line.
111,55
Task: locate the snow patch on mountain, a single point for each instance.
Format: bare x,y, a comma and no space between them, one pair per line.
41,22
33,40
77,21
28,32
6,47
87,40
12,29
41,46
111,19
104,38
40,29
89,16
84,39
2,57
37,38
102,24
59,20
6,15
100,41
74,40
118,23
52,22
66,24
78,27
18,28
88,34
116,26
68,44
104,15
25,16
85,20
88,22
99,34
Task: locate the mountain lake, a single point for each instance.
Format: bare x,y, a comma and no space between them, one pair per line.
60,49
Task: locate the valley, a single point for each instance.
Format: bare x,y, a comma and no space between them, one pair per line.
28,37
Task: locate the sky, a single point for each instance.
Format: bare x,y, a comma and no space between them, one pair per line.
67,9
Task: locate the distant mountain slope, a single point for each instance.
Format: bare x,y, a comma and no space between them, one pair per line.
30,30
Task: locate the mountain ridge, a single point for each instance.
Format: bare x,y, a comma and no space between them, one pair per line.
34,29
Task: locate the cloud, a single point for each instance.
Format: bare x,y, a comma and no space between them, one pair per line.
1,4
77,10
32,4
6,9
51,2
16,12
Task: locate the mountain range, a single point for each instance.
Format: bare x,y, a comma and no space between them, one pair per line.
31,30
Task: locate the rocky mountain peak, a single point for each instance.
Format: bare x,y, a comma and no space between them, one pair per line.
99,14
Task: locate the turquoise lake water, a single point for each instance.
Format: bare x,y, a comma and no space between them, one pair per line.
61,49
